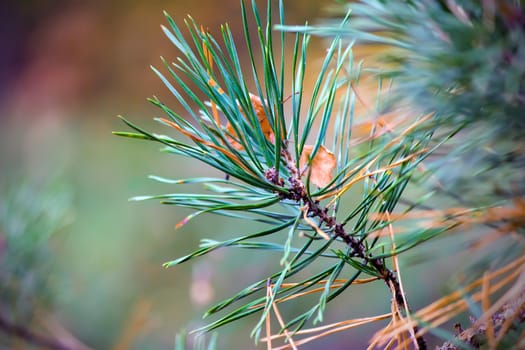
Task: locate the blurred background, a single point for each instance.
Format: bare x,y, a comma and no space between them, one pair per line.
67,69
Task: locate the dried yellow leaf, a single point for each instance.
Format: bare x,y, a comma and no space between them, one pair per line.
321,166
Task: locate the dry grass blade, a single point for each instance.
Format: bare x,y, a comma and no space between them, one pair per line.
269,294
330,329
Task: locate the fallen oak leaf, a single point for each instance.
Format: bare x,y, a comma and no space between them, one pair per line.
321,166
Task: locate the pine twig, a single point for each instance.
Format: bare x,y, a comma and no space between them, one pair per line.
298,193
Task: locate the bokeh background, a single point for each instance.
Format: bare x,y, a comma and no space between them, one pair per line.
67,69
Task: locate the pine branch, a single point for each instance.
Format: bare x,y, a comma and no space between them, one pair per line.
298,193
270,165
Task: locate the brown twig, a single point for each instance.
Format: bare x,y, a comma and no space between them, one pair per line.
29,336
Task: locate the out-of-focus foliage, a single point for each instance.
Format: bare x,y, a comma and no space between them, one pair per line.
32,218
461,59
200,343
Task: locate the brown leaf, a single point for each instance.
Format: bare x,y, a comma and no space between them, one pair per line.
261,116
321,165
233,141
266,128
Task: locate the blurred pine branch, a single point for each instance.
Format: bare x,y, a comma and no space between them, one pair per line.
32,215
459,59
